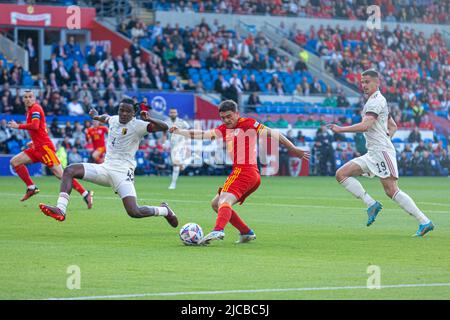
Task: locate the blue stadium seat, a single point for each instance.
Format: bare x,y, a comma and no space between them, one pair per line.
209,85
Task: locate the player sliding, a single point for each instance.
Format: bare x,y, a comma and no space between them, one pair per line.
41,149
380,160
240,136
125,133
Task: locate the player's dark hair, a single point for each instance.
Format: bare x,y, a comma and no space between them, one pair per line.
131,102
371,73
228,105
127,100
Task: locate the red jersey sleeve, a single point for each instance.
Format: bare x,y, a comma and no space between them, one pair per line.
220,131
250,123
35,119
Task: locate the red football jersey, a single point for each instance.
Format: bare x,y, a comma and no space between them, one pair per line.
37,127
241,141
97,135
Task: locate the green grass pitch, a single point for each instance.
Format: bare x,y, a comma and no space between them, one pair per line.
312,243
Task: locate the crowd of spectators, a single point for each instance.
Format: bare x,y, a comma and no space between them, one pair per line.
415,68
101,71
12,75
425,11
213,47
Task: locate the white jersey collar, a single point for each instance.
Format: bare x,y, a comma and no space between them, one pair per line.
374,94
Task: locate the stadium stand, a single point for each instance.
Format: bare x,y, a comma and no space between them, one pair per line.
428,11
211,59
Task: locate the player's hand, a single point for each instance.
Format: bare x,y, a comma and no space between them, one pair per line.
174,130
12,124
30,145
145,115
335,128
302,154
93,113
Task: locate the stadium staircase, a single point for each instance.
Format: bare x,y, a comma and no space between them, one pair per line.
142,12
286,47
9,52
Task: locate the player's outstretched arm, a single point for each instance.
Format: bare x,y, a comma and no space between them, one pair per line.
366,123
392,127
34,125
302,154
104,118
193,134
155,124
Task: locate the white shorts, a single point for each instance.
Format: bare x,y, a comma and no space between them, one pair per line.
382,164
121,180
178,155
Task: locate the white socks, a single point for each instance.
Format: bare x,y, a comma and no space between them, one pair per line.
410,207
406,203
85,193
354,187
159,211
175,174
63,201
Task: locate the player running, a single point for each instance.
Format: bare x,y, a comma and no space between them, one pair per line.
177,146
96,134
240,136
125,133
41,149
380,160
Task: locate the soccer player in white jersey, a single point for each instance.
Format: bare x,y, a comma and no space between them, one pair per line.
178,147
117,171
380,160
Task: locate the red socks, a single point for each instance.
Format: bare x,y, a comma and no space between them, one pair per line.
227,214
77,186
23,174
237,222
223,216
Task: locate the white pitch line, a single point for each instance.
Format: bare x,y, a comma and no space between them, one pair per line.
264,204
188,293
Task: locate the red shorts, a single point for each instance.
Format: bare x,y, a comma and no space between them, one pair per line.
45,154
242,182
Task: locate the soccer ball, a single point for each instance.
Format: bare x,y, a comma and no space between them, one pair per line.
191,233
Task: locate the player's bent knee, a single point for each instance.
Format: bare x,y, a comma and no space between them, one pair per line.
15,162
133,212
390,192
340,176
69,171
215,206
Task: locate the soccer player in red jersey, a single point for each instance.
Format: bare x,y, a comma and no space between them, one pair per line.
240,136
41,149
96,134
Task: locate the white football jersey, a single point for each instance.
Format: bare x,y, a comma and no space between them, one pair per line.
377,137
176,139
123,142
